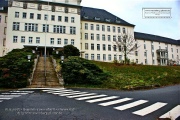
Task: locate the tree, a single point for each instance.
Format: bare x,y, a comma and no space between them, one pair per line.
70,50
126,44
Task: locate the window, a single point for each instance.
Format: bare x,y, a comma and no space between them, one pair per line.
108,28
86,56
109,37
172,56
59,41
103,37
124,30
37,40
115,57
92,46
22,39
5,29
16,25
31,15
39,16
114,38
114,47
73,30
31,27
0,18
177,50
171,49
66,19
45,28
98,56
24,15
104,46
97,37
5,19
152,47
4,42
136,61
114,29
153,62
45,17
152,54
177,56
72,41
144,46
159,47
72,19
120,57
15,38
92,56
98,46
136,53
86,36
52,41
146,61
119,38
104,57
97,27
92,27
86,26
52,17
59,18
65,41
86,46
119,29
109,47
60,29
145,54
16,14
109,57
92,36
103,28
30,40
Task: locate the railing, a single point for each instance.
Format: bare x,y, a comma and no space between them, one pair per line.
34,68
58,73
162,50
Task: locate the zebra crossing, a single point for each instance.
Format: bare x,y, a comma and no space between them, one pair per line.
105,100
12,94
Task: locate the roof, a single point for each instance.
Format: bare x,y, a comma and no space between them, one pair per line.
3,3
150,37
101,15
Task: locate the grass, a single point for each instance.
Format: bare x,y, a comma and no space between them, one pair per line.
139,76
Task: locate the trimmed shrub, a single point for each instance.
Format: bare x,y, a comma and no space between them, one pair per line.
76,70
15,69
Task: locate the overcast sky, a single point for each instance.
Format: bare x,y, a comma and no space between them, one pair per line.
131,11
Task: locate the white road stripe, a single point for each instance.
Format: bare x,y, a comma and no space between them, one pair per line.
5,98
56,90
102,99
115,102
130,105
90,97
149,109
69,94
173,114
10,95
64,92
74,96
14,93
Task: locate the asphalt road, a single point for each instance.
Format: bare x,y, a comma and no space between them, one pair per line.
90,104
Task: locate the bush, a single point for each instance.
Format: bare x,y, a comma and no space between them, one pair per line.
76,70
15,68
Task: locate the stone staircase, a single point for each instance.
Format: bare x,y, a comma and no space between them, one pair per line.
39,80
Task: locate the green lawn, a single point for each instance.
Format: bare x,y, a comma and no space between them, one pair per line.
139,76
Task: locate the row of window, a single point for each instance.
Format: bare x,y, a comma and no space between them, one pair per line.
92,37
98,57
38,40
114,29
39,17
45,28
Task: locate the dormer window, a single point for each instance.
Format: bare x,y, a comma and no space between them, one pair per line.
108,20
118,21
86,17
97,18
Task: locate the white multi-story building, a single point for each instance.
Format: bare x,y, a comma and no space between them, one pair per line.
36,24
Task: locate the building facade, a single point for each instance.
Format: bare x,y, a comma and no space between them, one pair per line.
52,25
